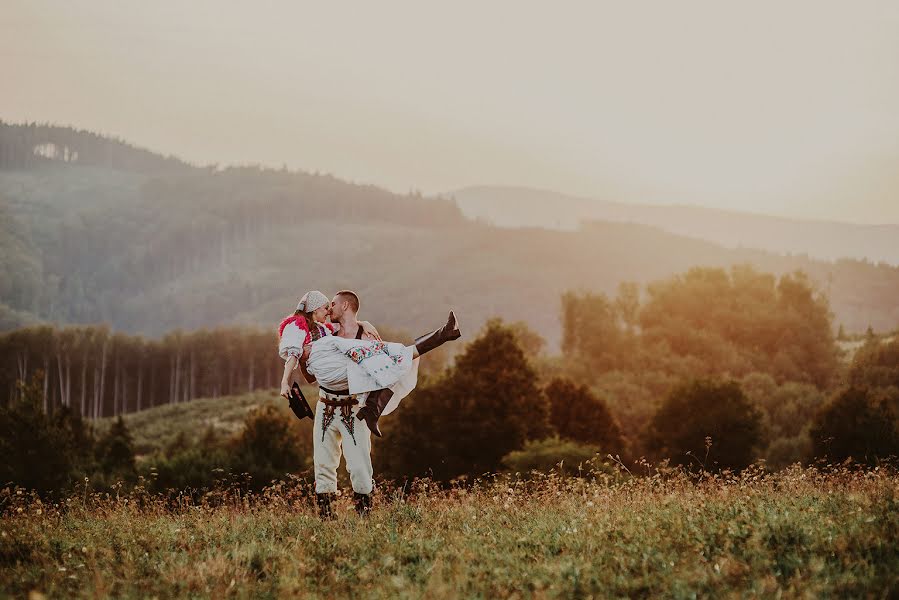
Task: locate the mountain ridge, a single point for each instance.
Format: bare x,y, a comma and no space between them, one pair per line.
824,239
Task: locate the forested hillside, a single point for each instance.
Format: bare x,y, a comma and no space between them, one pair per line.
94,230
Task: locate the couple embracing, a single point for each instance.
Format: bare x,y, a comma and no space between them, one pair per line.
360,378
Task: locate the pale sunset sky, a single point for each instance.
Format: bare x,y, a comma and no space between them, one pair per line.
787,108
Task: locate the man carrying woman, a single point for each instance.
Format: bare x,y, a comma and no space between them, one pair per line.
360,379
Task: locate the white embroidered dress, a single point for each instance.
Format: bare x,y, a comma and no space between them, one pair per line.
358,366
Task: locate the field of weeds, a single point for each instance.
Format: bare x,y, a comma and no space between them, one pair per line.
800,533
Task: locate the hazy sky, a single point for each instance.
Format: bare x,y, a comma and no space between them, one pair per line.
777,107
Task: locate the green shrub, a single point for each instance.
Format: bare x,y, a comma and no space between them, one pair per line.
859,423
578,414
565,456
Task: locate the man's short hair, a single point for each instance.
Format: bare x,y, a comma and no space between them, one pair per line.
350,297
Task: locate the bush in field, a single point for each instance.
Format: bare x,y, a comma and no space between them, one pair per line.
192,467
551,453
40,451
269,445
859,423
578,414
706,423
485,406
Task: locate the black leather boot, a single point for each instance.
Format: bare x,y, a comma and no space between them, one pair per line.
363,504
324,506
375,404
438,337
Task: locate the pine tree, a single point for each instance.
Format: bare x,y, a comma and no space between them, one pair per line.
115,450
38,451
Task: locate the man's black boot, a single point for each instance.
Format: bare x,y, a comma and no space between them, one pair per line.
324,506
375,404
363,504
438,337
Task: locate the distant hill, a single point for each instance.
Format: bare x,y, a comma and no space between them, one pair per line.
154,429
161,245
525,207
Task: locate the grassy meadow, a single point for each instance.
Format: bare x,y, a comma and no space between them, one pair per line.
799,533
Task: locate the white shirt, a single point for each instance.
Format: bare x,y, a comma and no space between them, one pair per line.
328,364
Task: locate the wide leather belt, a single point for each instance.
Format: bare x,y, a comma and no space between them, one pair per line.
332,398
322,388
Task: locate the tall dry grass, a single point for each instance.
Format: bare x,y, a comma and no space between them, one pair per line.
799,533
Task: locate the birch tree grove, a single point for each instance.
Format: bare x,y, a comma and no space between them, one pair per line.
99,373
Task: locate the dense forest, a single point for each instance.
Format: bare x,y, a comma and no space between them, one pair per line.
97,231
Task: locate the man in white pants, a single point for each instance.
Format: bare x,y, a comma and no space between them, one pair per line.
353,437
339,428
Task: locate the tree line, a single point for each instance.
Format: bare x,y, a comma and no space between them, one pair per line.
27,145
706,321
97,373
487,412
709,370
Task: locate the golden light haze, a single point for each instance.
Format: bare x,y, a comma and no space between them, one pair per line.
783,108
